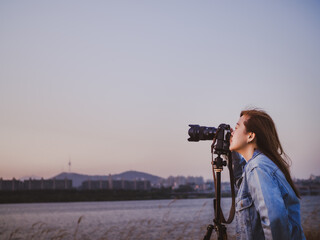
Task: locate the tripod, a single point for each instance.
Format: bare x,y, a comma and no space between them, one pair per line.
221,143
217,168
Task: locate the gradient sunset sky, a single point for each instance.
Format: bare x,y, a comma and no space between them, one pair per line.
113,85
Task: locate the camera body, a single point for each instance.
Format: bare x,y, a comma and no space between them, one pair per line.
221,135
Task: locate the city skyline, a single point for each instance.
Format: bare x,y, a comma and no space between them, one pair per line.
34,177
112,86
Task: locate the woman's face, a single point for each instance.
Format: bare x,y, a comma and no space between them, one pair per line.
239,136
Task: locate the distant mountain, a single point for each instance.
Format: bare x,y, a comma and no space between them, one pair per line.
132,175
77,178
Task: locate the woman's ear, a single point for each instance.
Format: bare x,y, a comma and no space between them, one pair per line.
251,137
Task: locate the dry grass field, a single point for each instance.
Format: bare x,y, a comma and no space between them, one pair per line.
145,229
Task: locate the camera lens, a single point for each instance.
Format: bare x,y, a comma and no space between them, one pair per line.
198,133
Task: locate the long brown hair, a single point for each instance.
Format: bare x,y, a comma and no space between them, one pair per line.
267,140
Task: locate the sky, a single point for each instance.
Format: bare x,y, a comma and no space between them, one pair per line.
113,85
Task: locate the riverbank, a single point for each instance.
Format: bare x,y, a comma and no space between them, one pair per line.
44,196
47,196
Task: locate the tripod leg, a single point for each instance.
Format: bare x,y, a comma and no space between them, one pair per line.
222,233
209,232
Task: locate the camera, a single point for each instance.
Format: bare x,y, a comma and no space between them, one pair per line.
221,135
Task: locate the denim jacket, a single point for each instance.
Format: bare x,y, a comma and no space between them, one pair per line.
266,205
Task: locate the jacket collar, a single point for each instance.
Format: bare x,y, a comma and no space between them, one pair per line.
255,153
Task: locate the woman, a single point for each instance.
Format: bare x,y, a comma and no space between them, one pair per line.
267,204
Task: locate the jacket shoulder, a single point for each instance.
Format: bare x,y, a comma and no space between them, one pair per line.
263,162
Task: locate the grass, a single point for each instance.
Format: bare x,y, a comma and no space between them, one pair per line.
311,225
42,231
148,229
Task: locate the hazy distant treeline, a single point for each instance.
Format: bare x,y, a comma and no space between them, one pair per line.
94,195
